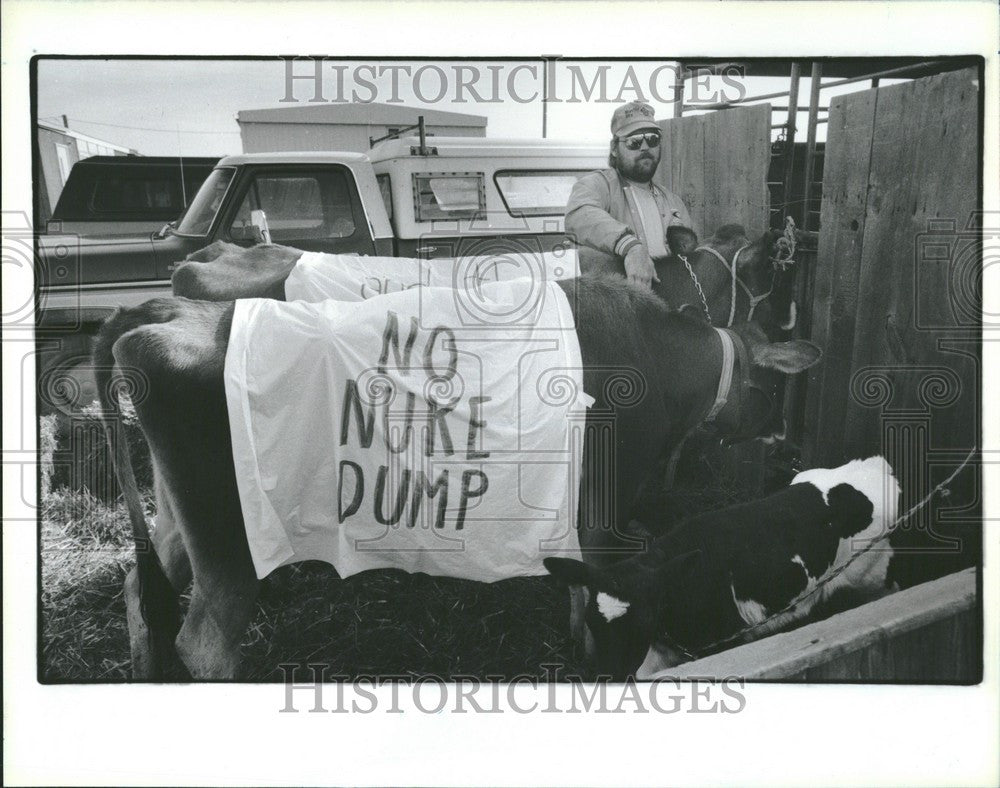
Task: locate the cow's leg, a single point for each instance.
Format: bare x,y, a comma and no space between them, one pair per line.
179,351
222,606
578,629
169,542
146,663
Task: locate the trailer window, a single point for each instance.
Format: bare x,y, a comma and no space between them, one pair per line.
452,195
536,193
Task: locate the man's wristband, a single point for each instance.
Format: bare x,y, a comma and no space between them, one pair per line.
625,244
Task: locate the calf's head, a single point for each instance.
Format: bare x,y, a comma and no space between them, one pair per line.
628,605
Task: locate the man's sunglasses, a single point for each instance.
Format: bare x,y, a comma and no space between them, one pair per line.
652,140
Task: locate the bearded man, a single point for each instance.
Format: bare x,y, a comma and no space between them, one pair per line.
618,216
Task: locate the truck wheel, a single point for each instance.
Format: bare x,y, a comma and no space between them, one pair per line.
66,382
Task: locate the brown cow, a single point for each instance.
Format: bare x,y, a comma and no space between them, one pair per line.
224,271
653,372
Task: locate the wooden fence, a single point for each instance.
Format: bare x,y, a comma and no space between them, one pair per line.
929,633
893,298
718,163
895,303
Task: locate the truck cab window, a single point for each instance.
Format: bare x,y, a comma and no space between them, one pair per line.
125,194
298,207
200,215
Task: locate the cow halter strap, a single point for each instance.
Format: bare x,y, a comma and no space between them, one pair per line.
754,299
734,379
726,378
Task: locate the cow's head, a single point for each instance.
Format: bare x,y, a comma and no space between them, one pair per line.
754,407
630,605
761,268
768,279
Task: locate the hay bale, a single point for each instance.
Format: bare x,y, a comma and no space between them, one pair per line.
80,459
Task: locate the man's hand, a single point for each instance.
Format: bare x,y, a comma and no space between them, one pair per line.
639,267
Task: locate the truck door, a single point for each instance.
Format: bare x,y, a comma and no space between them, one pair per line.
313,207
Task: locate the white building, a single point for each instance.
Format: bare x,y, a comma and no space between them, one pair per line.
347,127
59,148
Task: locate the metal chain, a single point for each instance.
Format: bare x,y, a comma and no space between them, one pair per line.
697,284
711,647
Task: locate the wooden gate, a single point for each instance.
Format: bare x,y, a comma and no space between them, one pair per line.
896,292
717,163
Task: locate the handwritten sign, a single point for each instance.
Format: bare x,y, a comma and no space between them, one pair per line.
392,432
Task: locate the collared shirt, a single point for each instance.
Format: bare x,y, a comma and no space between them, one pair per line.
648,219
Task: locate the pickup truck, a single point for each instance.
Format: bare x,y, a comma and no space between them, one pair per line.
127,195
422,197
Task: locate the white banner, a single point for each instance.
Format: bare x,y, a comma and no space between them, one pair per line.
347,277
417,430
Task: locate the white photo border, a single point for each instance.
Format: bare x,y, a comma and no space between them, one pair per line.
233,734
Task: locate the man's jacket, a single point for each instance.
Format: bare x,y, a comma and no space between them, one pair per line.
597,215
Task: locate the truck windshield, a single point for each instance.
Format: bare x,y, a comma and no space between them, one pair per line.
201,213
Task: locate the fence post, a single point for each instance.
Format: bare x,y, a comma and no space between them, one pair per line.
795,386
793,108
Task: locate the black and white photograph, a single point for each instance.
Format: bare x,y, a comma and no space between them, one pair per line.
465,380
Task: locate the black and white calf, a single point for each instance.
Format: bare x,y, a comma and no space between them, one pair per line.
715,574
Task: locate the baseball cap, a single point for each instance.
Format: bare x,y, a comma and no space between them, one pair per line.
632,117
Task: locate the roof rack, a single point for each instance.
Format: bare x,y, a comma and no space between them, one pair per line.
415,150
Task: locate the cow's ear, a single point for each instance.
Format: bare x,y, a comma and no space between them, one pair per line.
681,240
787,357
850,510
570,571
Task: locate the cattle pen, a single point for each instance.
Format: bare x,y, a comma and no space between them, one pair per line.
891,238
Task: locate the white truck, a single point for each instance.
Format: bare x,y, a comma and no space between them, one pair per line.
422,197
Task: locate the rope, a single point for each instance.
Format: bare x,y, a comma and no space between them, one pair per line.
711,647
732,295
731,269
784,253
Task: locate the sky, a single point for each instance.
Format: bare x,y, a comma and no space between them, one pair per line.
166,107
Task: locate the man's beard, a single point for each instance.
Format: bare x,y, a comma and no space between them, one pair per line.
641,170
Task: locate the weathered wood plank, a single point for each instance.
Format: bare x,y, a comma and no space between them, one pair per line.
843,212
871,279
718,164
945,651
923,168
875,634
